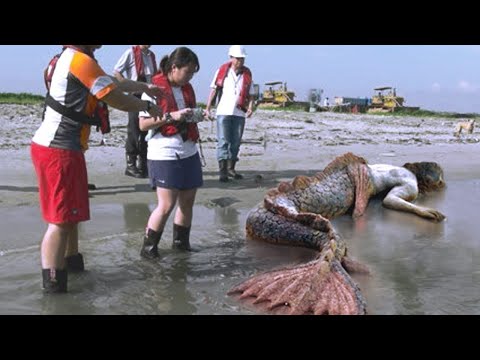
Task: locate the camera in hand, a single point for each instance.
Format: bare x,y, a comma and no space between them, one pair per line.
196,116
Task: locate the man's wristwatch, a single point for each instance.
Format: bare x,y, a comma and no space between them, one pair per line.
168,118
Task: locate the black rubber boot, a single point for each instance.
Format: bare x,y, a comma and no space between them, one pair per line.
54,281
181,238
150,244
231,170
75,263
222,165
142,166
131,169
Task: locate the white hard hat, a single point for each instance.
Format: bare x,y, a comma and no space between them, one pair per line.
237,51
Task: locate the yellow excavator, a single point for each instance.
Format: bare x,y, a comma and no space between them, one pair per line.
385,100
276,95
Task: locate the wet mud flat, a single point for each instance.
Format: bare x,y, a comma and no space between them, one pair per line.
418,267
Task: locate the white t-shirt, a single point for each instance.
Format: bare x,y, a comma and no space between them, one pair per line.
126,64
169,147
232,86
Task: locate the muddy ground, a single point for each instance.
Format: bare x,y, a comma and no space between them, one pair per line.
276,146
419,267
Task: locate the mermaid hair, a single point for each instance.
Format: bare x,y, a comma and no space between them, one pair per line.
429,175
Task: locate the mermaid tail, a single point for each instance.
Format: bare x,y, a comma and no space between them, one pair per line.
319,287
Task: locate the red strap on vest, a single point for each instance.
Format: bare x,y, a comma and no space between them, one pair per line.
139,65
48,73
247,81
168,104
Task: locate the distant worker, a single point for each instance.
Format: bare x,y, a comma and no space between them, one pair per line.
326,102
232,82
137,63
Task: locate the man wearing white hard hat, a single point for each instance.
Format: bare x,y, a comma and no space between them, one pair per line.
232,87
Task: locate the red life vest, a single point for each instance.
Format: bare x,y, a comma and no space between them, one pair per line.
167,103
101,114
48,73
140,66
247,82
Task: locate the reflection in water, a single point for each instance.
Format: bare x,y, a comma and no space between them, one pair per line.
63,304
226,218
135,215
176,272
419,267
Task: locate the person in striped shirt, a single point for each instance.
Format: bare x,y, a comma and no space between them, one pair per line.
78,84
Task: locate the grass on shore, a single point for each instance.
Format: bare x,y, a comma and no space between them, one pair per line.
28,99
400,113
21,98
429,113
291,108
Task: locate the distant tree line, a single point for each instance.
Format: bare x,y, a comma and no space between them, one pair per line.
21,98
28,99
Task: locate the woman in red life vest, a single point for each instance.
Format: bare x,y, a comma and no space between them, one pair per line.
174,165
232,83
77,84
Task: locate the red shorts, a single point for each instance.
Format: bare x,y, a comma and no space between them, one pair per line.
62,184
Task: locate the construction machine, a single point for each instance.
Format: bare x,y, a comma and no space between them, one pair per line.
276,94
385,99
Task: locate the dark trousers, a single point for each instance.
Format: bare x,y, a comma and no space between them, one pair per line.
136,144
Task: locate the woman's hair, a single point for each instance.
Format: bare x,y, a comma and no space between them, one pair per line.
180,57
429,175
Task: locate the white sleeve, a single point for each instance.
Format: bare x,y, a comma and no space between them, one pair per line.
147,98
212,85
251,91
121,65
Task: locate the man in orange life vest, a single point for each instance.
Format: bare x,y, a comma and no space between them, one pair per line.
137,63
232,84
77,84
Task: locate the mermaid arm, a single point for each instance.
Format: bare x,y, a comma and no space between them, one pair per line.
399,199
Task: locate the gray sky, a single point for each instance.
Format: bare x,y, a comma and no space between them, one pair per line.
434,77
